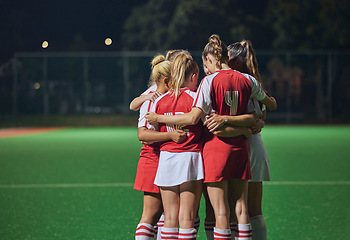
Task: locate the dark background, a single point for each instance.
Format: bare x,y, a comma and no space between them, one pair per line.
303,49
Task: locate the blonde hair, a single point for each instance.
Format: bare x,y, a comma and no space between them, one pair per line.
172,54
181,69
160,68
216,48
244,51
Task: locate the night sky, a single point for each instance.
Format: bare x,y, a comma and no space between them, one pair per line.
25,24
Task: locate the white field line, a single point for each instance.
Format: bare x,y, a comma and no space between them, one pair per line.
298,183
100,185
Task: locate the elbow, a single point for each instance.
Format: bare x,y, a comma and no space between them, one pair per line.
140,136
274,106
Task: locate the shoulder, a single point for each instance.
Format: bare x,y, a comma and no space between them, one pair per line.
151,89
190,92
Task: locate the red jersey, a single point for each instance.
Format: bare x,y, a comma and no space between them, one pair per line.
227,92
168,104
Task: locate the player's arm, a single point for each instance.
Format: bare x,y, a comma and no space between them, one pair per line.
215,121
269,102
136,104
147,135
190,118
233,131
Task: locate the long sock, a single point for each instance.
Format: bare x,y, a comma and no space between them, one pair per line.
144,231
170,233
187,234
222,234
258,227
209,229
197,222
155,231
234,230
244,232
160,225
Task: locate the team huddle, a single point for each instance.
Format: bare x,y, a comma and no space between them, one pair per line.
203,141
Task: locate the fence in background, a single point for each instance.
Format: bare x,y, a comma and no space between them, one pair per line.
310,86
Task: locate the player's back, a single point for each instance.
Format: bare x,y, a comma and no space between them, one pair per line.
230,92
168,104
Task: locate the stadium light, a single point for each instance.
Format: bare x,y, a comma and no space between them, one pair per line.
108,41
45,44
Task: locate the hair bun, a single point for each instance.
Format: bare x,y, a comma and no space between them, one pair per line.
215,39
158,59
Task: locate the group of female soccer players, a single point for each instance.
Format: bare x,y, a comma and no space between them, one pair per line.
203,141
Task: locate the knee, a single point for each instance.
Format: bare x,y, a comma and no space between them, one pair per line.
241,210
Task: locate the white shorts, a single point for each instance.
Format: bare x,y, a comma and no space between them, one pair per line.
259,161
176,168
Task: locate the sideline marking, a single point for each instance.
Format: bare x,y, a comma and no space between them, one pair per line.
14,132
99,185
298,183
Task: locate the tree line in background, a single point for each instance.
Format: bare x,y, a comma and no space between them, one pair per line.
273,24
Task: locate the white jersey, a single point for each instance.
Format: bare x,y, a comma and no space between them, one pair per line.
145,108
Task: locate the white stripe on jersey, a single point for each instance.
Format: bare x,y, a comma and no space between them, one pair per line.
203,99
145,108
257,91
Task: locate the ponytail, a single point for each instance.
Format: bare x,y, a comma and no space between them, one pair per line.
181,69
244,51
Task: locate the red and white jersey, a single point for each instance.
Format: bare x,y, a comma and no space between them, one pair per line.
151,89
227,92
145,108
168,104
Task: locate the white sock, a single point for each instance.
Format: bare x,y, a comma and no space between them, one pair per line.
187,234
144,231
222,234
258,227
160,225
244,232
197,222
170,233
234,230
155,231
209,229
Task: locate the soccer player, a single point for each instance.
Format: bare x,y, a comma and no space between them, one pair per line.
242,58
180,169
149,157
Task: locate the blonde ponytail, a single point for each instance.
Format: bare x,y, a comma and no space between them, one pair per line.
181,69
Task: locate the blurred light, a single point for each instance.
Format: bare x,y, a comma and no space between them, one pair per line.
108,41
36,86
97,110
45,44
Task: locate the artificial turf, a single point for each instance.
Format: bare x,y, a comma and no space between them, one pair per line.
77,184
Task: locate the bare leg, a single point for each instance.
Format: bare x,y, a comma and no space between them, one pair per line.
254,198
239,190
218,196
152,208
190,193
171,204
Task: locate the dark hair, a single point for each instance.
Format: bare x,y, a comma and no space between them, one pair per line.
244,51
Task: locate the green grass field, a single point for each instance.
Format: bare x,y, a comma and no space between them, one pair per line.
76,183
